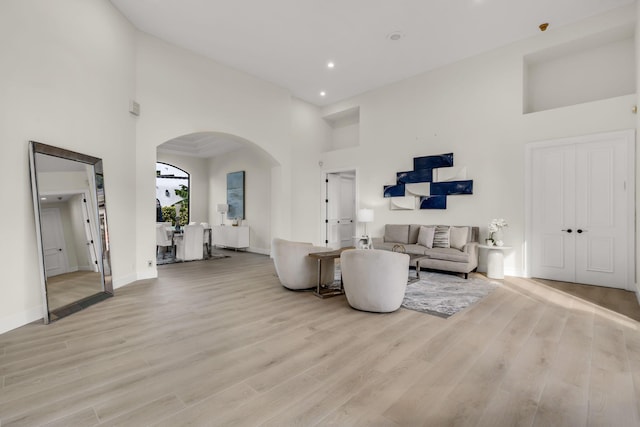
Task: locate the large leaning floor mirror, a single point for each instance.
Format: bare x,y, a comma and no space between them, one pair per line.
71,229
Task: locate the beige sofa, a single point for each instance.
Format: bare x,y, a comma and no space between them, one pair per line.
460,257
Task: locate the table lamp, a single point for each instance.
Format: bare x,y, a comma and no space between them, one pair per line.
365,216
222,209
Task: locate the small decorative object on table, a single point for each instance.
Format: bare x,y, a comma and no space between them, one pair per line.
399,248
365,243
495,231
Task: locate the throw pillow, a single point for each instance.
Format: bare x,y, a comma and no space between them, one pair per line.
441,237
425,236
458,237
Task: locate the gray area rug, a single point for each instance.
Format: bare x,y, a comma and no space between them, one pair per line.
444,295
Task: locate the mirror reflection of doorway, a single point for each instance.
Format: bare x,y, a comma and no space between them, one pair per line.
69,249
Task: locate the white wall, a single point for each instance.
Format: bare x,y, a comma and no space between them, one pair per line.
590,74
637,103
472,108
311,137
67,76
198,183
257,166
182,93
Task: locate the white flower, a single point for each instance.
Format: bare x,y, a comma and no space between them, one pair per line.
497,224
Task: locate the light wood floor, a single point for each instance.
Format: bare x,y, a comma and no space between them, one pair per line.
222,343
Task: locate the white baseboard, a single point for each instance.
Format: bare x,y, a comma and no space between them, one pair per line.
260,251
16,320
150,273
119,282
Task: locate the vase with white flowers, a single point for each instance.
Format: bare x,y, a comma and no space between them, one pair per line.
495,231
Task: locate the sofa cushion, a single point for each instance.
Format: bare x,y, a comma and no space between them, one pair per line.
414,230
398,233
441,237
415,249
458,237
448,254
425,238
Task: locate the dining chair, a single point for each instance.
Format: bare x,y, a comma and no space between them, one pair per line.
190,246
163,239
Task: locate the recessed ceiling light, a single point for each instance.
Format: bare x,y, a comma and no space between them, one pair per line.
323,93
395,36
330,64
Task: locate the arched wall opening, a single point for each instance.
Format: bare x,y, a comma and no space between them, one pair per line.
209,157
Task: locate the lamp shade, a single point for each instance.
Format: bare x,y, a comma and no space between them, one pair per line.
365,215
222,208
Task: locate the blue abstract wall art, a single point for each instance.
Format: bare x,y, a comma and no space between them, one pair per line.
425,170
394,190
433,202
235,195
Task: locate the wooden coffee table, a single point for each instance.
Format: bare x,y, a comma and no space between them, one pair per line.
321,256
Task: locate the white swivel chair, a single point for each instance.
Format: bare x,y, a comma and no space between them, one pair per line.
190,246
163,238
374,280
295,269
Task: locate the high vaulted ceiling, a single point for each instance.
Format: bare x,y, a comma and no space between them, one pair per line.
290,42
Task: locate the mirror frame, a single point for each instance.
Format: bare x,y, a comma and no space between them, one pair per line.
104,259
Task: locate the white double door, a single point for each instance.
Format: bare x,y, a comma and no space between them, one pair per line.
582,201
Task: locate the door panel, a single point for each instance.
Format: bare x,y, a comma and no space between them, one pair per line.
53,244
347,209
600,214
554,202
333,210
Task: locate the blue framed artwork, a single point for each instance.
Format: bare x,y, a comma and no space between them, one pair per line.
235,195
432,180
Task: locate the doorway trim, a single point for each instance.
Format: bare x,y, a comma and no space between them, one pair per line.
629,135
323,211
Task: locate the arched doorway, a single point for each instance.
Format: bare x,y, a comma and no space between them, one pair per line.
210,157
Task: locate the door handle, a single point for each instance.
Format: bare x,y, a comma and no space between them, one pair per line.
568,230
60,249
580,231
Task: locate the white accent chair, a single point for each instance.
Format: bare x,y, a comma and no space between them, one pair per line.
163,238
190,246
296,270
374,280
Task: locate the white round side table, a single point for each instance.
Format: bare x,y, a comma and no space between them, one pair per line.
495,260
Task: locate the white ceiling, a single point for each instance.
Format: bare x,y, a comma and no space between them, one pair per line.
202,144
290,42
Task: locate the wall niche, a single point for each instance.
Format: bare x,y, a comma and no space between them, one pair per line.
345,129
589,69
